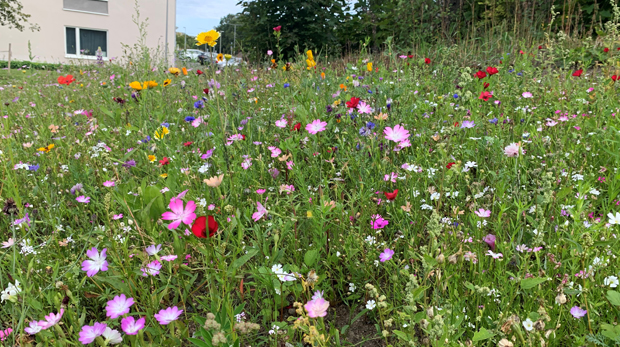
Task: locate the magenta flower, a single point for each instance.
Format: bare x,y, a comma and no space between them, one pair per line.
179,214
96,263
482,213
378,222
261,212
316,126
131,326
33,328
151,268
51,319
364,108
90,333
83,199
386,255
317,307
169,315
5,333
578,312
117,216
490,240
398,134
118,306
170,257
108,184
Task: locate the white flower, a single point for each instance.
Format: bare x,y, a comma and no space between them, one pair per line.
614,219
611,281
352,287
370,304
528,324
112,337
435,196
11,291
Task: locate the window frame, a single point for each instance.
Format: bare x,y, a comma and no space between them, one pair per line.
78,47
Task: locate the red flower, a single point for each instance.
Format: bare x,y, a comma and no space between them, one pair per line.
456,124
278,28
606,50
187,144
614,78
486,85
492,70
539,47
206,90
391,196
618,48
485,96
199,228
449,166
66,80
480,74
118,100
243,136
410,56
427,60
198,72
578,73
296,127
521,52
353,102
164,161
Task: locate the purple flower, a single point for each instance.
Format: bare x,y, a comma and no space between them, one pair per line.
83,199
467,124
131,326
118,306
152,249
96,263
490,240
34,167
26,220
169,315
77,188
129,164
151,268
386,255
274,172
378,222
578,312
90,333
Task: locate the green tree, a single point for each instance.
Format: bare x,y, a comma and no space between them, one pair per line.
12,15
226,29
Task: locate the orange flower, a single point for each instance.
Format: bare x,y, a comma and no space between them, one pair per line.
323,75
342,86
184,71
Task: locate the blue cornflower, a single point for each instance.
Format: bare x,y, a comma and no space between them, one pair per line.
456,96
369,91
493,121
190,119
370,125
286,85
199,104
34,167
167,125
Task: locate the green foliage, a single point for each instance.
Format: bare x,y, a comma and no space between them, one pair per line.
18,64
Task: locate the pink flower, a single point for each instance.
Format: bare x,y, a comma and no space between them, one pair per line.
281,123
494,255
108,184
33,328
117,216
83,199
151,268
90,333
398,134
179,214
260,191
513,149
275,151
169,315
482,213
170,257
131,326
152,249
316,126
51,319
118,306
96,263
5,333
363,107
578,312
526,95
386,255
490,240
378,222
261,212
317,308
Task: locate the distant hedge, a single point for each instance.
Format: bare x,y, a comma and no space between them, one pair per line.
17,64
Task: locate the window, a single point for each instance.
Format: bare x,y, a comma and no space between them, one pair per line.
84,43
88,6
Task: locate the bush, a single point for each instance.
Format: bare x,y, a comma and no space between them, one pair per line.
22,64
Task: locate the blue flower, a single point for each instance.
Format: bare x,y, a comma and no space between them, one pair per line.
369,91
456,96
190,119
199,104
370,125
34,167
364,131
286,85
167,125
493,121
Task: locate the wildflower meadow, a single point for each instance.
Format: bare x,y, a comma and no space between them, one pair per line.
390,199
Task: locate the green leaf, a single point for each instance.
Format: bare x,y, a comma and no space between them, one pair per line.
613,297
483,334
310,257
532,282
199,343
401,335
239,262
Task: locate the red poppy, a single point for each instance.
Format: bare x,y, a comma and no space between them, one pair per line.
353,102
614,78
480,74
198,72
187,144
243,136
410,56
492,70
199,228
66,79
578,73
486,85
521,52
427,61
449,166
391,196
485,96
206,90
164,161
539,47
618,48
296,127
606,50
456,124
278,28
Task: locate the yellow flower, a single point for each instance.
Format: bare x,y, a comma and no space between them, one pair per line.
136,85
167,82
150,84
210,38
311,63
46,149
164,175
152,158
220,57
227,56
174,70
214,181
369,67
160,134
310,56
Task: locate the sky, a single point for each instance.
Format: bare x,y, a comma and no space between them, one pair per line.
197,16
